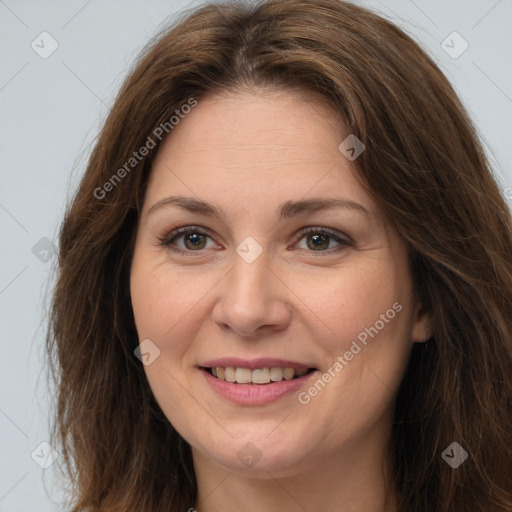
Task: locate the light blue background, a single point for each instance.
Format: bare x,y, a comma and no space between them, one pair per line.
51,110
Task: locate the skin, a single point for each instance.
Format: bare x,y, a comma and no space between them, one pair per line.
247,153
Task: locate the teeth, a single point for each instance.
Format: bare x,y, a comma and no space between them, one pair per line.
257,376
243,375
276,374
288,373
229,374
260,376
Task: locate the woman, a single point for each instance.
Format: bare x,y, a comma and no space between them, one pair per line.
285,280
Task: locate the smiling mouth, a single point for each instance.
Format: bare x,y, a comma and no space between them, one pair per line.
236,375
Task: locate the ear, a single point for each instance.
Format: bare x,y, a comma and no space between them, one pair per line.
422,326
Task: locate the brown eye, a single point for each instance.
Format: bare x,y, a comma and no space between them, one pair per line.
317,242
322,240
194,241
187,240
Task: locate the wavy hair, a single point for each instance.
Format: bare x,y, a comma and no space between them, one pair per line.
424,166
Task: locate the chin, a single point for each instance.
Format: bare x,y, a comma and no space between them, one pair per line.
259,456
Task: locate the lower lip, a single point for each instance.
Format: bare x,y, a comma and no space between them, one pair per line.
255,394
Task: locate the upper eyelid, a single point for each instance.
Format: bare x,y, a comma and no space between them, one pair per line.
182,231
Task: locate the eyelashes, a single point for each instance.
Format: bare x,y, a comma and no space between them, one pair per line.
197,237
316,238
195,240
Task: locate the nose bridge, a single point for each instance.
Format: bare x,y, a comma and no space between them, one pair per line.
248,282
250,271
250,298
252,276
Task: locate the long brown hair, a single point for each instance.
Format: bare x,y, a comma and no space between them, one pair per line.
424,166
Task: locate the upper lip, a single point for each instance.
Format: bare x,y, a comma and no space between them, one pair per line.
253,364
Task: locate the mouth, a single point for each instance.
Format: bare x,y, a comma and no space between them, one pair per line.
256,382
262,376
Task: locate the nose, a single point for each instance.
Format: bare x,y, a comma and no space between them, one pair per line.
252,300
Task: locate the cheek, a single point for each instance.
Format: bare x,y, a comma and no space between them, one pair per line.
372,321
349,300
166,301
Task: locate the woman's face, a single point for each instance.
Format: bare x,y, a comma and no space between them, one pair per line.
282,266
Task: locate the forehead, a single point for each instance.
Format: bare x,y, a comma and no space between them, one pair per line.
280,142
274,123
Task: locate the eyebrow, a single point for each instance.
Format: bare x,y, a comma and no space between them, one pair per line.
285,210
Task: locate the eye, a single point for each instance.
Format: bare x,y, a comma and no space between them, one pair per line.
322,240
188,239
